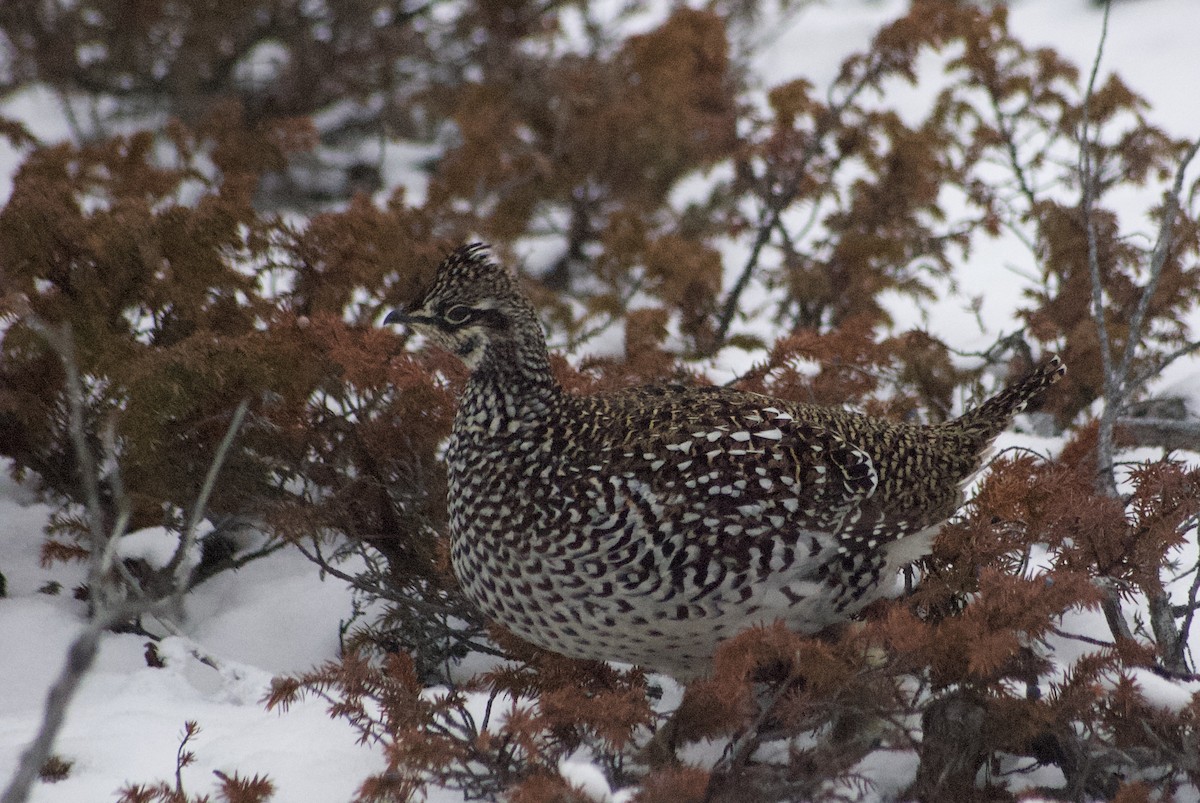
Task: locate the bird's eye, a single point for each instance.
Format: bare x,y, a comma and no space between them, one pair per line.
456,315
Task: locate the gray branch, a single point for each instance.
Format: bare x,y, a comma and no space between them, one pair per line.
80,657
1087,177
188,541
108,608
1165,433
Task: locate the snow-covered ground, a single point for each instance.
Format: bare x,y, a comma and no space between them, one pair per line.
272,616
276,615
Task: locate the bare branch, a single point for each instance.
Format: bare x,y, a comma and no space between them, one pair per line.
1087,178
107,560
1110,605
1165,433
1158,260
107,608
1140,379
766,225
779,201
188,540
1171,649
1185,627
63,344
80,656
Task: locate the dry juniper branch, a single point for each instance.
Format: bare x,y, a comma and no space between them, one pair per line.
435,625
1088,183
231,788
775,200
110,604
1119,380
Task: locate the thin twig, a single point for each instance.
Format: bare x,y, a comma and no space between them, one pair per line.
1158,261
1185,627
187,540
107,609
1080,637
190,730
1087,177
744,746
80,657
777,202
233,564
1008,136
1140,379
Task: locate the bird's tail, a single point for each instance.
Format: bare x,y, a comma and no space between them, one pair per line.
992,417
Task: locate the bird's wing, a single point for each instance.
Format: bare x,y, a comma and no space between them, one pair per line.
726,453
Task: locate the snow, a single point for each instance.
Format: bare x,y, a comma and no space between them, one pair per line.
1171,695
154,545
586,776
277,615
1147,44
273,616
888,772
272,613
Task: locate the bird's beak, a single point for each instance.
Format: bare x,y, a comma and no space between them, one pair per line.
396,316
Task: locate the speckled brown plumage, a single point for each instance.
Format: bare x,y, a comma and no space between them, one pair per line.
646,526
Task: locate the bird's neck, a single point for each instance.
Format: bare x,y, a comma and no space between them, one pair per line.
513,379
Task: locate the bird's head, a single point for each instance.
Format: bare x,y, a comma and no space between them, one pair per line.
473,304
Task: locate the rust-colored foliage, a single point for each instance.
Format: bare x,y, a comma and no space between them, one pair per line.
1037,542
184,297
674,785
537,713
898,376
230,788
182,300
